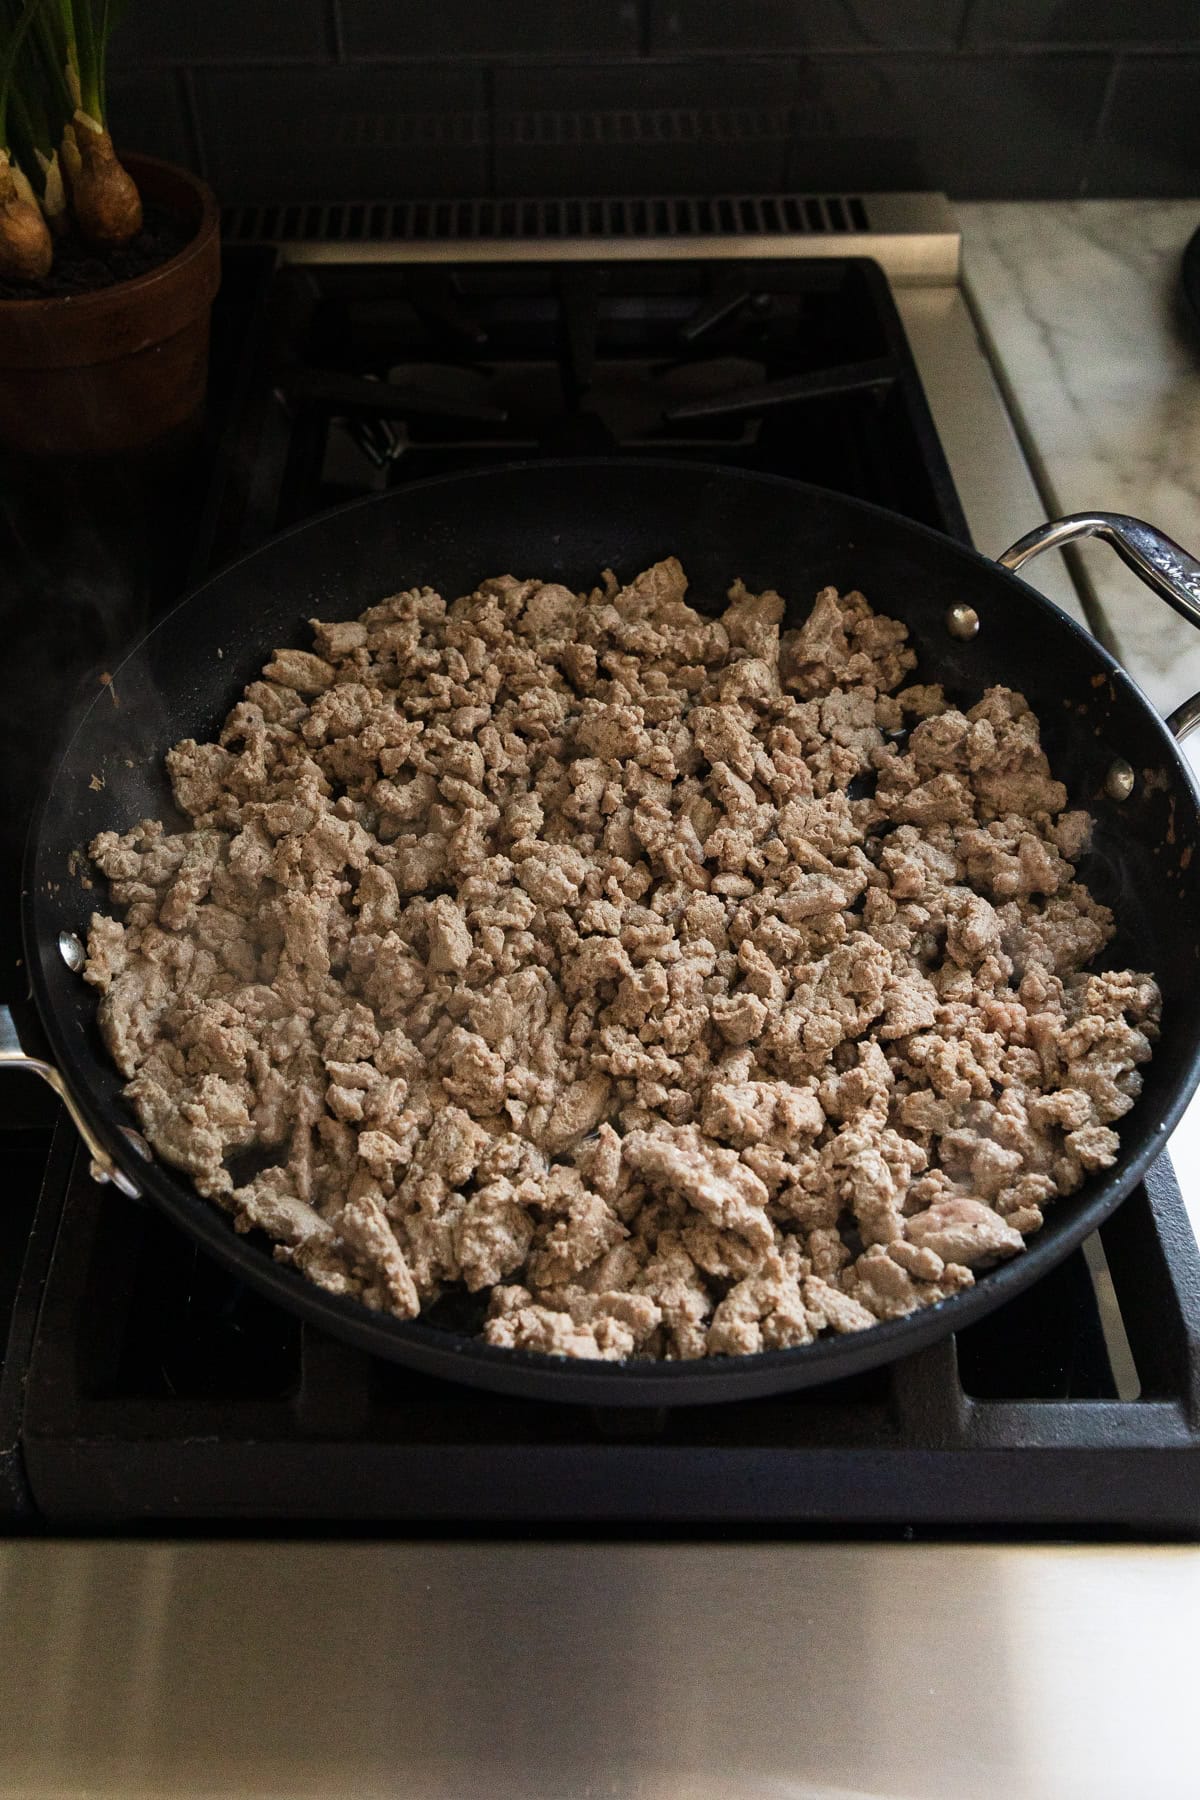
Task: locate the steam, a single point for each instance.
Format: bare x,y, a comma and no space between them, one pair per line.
77,592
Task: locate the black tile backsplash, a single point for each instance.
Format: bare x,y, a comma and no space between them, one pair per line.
1128,23
918,117
226,31
148,111
763,25
1151,143
324,99
483,28
643,128
351,133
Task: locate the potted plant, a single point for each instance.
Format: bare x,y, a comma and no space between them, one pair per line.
108,264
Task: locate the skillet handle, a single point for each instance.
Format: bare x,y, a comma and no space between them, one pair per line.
13,1056
1154,558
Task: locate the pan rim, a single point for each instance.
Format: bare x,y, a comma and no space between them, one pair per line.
78,714
437,1351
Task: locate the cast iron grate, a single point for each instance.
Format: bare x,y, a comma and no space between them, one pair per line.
795,367
161,1390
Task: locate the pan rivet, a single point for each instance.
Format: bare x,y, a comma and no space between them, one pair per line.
1118,783
71,951
962,621
138,1143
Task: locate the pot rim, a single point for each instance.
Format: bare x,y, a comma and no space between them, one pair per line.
120,293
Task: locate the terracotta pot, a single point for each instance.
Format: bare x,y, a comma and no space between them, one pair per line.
87,374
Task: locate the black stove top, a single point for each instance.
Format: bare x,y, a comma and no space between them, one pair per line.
797,368
140,1385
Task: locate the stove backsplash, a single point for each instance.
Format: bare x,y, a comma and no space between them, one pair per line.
374,99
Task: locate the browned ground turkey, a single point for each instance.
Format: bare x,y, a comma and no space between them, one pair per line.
534,942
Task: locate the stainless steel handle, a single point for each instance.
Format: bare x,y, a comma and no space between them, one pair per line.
13,1056
1154,558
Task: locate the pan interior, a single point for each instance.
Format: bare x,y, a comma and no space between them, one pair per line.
567,522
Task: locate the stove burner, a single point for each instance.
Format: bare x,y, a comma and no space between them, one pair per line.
437,297
424,397
138,1382
759,397
796,368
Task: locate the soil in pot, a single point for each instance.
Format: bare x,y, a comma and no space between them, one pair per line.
83,268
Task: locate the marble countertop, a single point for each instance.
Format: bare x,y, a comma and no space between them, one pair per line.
1078,304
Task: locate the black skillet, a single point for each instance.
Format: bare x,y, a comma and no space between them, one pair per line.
566,521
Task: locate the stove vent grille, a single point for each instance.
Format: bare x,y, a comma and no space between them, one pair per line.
541,221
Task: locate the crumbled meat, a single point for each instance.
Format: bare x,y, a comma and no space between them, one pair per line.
963,1231
534,942
764,1311
712,1179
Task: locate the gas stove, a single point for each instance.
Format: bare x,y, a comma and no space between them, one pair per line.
360,348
